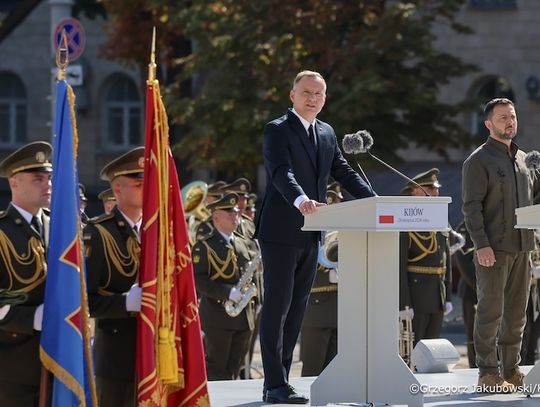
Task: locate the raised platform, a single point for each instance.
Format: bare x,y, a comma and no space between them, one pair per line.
456,388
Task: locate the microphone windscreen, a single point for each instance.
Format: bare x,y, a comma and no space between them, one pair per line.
532,160
352,144
366,139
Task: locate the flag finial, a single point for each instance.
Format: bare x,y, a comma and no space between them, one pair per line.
62,56
152,64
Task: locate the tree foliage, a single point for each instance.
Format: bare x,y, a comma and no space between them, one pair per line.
382,69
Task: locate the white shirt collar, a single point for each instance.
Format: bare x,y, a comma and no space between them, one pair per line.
27,215
305,123
227,238
130,222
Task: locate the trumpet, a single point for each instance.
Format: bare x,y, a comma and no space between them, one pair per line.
406,338
328,251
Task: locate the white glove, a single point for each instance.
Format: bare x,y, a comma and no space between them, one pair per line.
133,298
4,311
448,307
333,276
38,318
406,313
536,272
235,295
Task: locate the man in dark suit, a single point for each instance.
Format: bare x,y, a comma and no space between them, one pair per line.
300,153
24,232
112,260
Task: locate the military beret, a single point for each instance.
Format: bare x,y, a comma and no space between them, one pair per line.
424,179
33,157
227,202
215,188
241,186
130,164
107,195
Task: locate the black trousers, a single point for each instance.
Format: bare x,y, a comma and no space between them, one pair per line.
427,325
288,276
18,395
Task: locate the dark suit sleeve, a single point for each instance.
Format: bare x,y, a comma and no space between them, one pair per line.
404,294
101,306
277,159
341,171
205,286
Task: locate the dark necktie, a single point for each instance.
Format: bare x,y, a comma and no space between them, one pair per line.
311,135
136,231
37,225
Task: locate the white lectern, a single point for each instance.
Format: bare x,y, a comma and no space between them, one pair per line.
528,217
368,368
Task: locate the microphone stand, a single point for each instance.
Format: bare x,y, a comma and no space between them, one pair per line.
397,172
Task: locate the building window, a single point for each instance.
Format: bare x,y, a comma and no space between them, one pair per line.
493,4
12,110
493,87
122,106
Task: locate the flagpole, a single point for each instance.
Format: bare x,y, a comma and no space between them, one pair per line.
62,61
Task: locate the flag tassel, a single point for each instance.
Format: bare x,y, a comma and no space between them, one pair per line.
168,365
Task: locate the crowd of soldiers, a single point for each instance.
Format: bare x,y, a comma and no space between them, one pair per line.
228,276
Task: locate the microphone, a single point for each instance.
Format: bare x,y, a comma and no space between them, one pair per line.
532,160
367,143
354,144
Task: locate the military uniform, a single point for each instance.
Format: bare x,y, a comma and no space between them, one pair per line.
425,271
218,266
112,251
318,338
22,269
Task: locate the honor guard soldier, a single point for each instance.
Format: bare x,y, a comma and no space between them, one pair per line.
213,193
108,199
112,248
251,206
24,233
220,260
425,269
318,336
241,187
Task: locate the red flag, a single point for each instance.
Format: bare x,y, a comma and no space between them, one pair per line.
170,357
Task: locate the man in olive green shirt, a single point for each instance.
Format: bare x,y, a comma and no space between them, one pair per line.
496,181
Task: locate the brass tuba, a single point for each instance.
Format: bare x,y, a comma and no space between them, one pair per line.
193,197
328,252
406,338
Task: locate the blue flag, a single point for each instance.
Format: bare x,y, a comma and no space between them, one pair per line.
65,339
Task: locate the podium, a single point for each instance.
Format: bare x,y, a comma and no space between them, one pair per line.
528,217
368,368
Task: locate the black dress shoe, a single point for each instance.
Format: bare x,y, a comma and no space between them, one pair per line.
285,394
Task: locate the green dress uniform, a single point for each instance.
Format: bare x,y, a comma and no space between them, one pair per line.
22,268
425,280
112,261
318,336
218,265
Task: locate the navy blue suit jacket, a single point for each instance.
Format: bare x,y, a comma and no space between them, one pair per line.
293,169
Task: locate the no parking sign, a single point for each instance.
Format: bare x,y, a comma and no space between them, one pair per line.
76,37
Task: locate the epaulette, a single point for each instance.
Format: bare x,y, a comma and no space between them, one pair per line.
100,218
3,214
208,235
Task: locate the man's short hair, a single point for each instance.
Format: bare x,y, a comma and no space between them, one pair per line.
488,109
303,74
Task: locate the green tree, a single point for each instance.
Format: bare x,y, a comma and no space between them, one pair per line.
382,70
